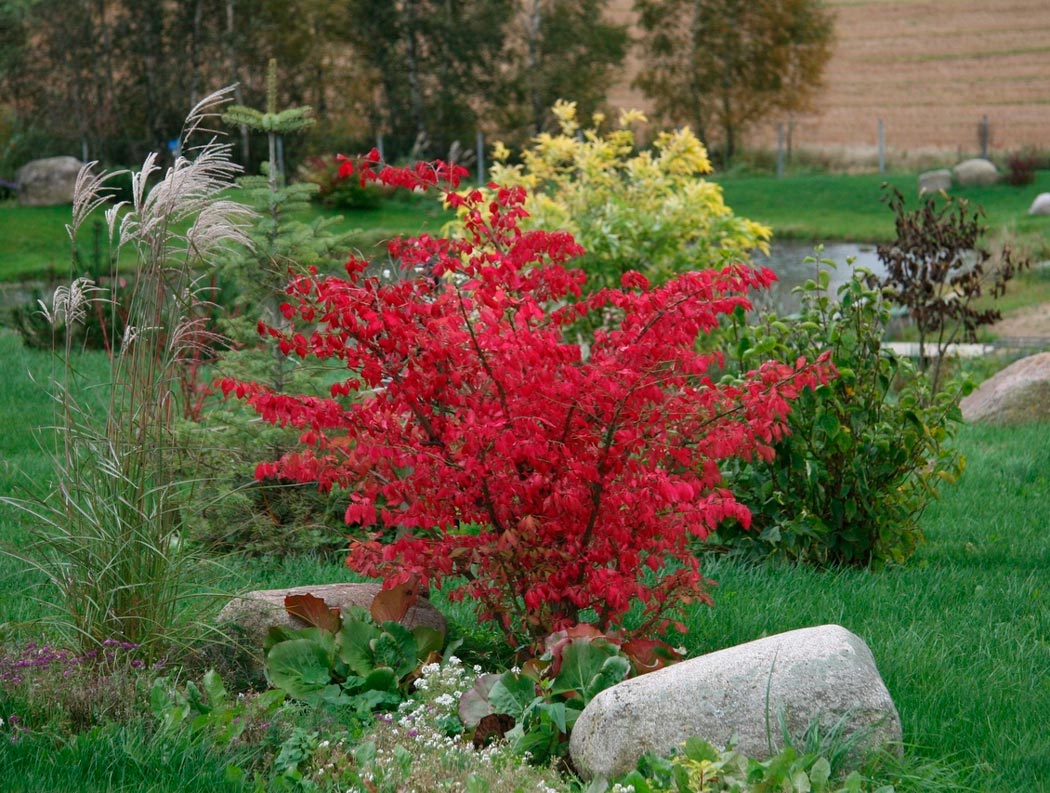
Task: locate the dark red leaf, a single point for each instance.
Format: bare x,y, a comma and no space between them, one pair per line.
314,611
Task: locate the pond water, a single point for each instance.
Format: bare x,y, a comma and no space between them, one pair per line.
788,260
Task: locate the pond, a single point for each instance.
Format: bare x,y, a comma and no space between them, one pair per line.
787,259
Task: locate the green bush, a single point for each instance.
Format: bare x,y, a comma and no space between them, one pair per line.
867,451
335,191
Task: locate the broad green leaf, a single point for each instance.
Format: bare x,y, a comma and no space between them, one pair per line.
355,645
299,667
512,695
428,640
214,688
382,678
556,712
589,667
699,749
395,647
820,773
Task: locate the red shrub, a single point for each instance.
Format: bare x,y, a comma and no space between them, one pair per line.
485,445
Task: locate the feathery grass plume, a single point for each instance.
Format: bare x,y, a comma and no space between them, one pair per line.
109,532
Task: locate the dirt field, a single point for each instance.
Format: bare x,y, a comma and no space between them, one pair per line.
930,69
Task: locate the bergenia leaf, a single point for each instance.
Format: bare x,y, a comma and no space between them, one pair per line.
391,605
474,705
313,611
512,695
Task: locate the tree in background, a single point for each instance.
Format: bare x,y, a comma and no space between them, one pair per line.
722,65
110,78
107,79
562,49
434,65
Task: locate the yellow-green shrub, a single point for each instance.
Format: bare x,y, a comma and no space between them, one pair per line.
651,210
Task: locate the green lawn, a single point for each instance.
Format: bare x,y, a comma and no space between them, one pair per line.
34,242
961,634
848,207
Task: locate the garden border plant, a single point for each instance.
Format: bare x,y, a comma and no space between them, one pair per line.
557,499
110,532
866,452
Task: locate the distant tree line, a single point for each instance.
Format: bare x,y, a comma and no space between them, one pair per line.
113,78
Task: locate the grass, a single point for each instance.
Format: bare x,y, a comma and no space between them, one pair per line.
961,634
804,206
117,758
34,243
848,207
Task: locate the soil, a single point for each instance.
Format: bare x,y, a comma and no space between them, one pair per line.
930,69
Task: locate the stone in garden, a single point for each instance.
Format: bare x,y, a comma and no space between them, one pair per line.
255,613
824,674
1041,205
47,182
935,181
1018,394
975,172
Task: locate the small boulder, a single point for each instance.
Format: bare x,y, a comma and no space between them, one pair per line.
48,182
1041,205
823,674
935,181
1018,394
253,614
975,172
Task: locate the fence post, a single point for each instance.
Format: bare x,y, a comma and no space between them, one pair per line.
479,144
780,150
882,147
379,147
983,134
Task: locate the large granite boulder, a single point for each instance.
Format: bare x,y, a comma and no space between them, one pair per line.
935,181
253,614
1015,395
1041,205
48,182
975,172
823,674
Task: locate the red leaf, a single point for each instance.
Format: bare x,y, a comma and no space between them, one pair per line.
314,611
648,655
391,605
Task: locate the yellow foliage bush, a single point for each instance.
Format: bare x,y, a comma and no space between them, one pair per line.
651,211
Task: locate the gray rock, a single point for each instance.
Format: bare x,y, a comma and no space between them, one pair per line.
253,614
935,181
48,182
824,674
1041,205
1018,394
975,172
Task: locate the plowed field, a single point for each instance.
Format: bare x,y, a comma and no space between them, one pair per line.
930,70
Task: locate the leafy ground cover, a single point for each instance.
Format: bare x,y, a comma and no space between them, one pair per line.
961,634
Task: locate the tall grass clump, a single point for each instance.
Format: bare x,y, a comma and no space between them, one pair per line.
108,530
